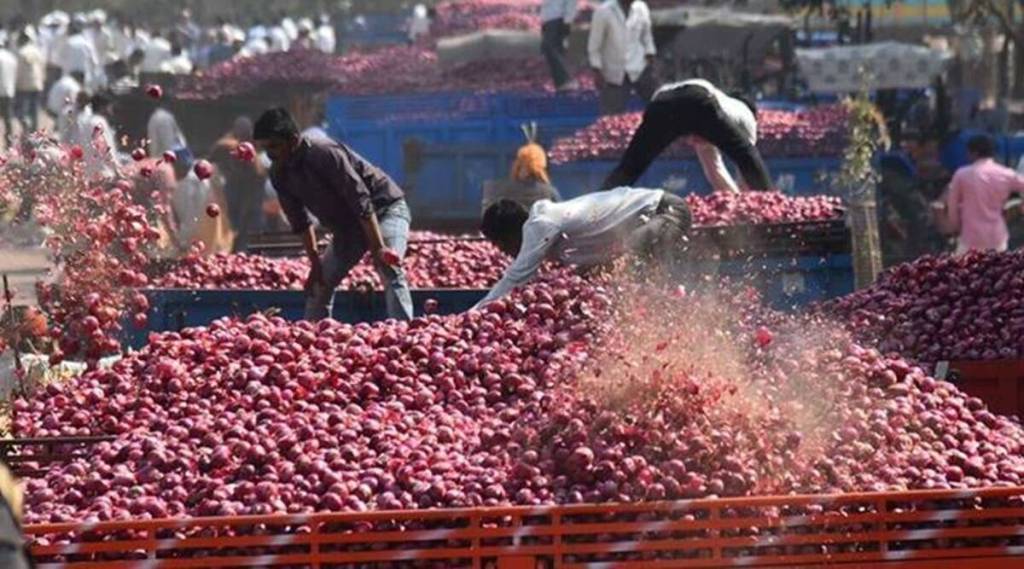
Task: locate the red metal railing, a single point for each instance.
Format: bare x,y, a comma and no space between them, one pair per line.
977,529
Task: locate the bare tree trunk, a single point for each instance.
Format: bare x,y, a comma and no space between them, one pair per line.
1018,63
1003,83
988,77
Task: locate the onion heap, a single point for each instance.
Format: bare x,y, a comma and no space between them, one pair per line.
457,17
437,263
943,308
761,208
567,391
381,71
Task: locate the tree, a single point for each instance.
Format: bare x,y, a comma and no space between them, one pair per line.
1003,13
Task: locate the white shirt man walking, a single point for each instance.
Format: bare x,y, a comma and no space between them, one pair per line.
621,52
8,82
556,18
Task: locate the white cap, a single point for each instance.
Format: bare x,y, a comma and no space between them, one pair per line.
306,24
98,16
56,18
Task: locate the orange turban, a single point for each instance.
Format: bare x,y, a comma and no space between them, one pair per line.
531,164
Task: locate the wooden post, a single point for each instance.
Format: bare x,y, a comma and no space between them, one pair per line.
867,247
16,339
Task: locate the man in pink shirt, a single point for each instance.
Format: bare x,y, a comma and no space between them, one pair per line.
976,198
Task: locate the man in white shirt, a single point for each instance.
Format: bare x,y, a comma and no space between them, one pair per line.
190,198
53,38
97,138
80,55
8,84
30,82
179,63
712,121
65,90
419,23
279,40
164,133
587,231
325,38
621,52
257,46
102,39
157,52
556,18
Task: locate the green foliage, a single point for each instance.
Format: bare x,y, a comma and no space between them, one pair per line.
867,135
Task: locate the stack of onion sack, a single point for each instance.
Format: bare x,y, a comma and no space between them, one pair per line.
566,391
757,208
941,308
816,131
434,264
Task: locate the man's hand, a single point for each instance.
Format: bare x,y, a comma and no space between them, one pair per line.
388,257
598,77
316,275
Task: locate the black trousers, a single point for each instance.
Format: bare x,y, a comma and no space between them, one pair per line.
688,111
552,45
661,238
613,99
26,107
7,116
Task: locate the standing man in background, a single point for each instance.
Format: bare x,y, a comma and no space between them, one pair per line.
621,52
556,18
8,82
242,181
163,132
31,79
62,97
79,55
326,39
96,137
977,197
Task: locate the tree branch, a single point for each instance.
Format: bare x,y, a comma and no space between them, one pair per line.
1004,19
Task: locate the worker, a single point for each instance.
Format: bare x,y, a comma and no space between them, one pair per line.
352,198
191,203
528,183
586,231
621,52
712,121
243,183
14,550
974,203
556,18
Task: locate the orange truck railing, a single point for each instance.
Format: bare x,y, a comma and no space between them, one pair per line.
976,529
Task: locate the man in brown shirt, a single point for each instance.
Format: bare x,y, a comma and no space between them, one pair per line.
353,199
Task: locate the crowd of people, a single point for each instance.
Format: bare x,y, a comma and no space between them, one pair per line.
71,68
60,76
64,54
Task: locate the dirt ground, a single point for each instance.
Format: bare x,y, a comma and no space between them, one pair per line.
23,265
